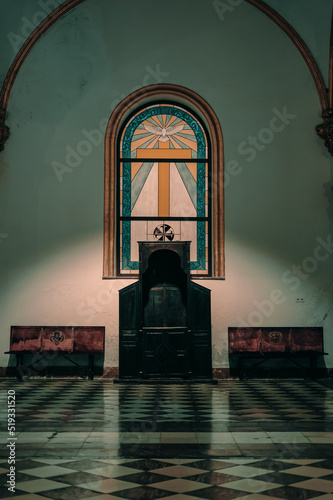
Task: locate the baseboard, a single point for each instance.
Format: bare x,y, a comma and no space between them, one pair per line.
165,381
112,373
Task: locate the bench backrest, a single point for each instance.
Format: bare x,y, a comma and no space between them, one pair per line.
269,340
77,339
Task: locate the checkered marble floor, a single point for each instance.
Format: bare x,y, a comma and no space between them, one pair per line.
255,440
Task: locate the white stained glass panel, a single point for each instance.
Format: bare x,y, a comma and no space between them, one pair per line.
146,204
138,233
181,204
189,233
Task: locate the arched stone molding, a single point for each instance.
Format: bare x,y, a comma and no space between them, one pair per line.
20,58
180,95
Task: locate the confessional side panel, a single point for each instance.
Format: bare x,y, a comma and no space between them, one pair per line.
200,331
129,335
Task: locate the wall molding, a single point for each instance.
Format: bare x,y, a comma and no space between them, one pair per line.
179,95
325,129
112,373
300,45
20,58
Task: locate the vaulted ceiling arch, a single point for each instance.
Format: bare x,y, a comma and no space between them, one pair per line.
325,97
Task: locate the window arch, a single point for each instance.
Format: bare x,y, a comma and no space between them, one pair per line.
163,179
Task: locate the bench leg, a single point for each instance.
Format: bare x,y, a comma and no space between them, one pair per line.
241,368
91,367
313,366
19,366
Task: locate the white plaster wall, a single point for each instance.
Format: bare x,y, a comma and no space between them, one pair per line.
278,194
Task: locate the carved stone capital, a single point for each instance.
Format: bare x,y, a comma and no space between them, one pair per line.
325,129
4,130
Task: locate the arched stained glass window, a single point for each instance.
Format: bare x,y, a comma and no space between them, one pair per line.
163,185
163,180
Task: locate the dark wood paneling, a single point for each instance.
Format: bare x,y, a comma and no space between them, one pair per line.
165,352
165,307
200,331
169,333
128,307
130,360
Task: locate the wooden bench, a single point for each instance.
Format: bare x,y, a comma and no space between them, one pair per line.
57,340
273,342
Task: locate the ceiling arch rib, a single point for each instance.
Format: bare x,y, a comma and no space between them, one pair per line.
70,4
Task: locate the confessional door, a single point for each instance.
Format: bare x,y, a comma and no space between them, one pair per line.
164,318
164,332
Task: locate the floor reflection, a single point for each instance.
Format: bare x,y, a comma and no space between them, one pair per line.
86,439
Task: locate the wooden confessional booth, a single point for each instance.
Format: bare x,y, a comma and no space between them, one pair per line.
164,318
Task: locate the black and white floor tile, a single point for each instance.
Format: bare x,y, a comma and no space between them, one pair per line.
250,440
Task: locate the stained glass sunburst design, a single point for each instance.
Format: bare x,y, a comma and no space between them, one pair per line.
156,130
164,177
